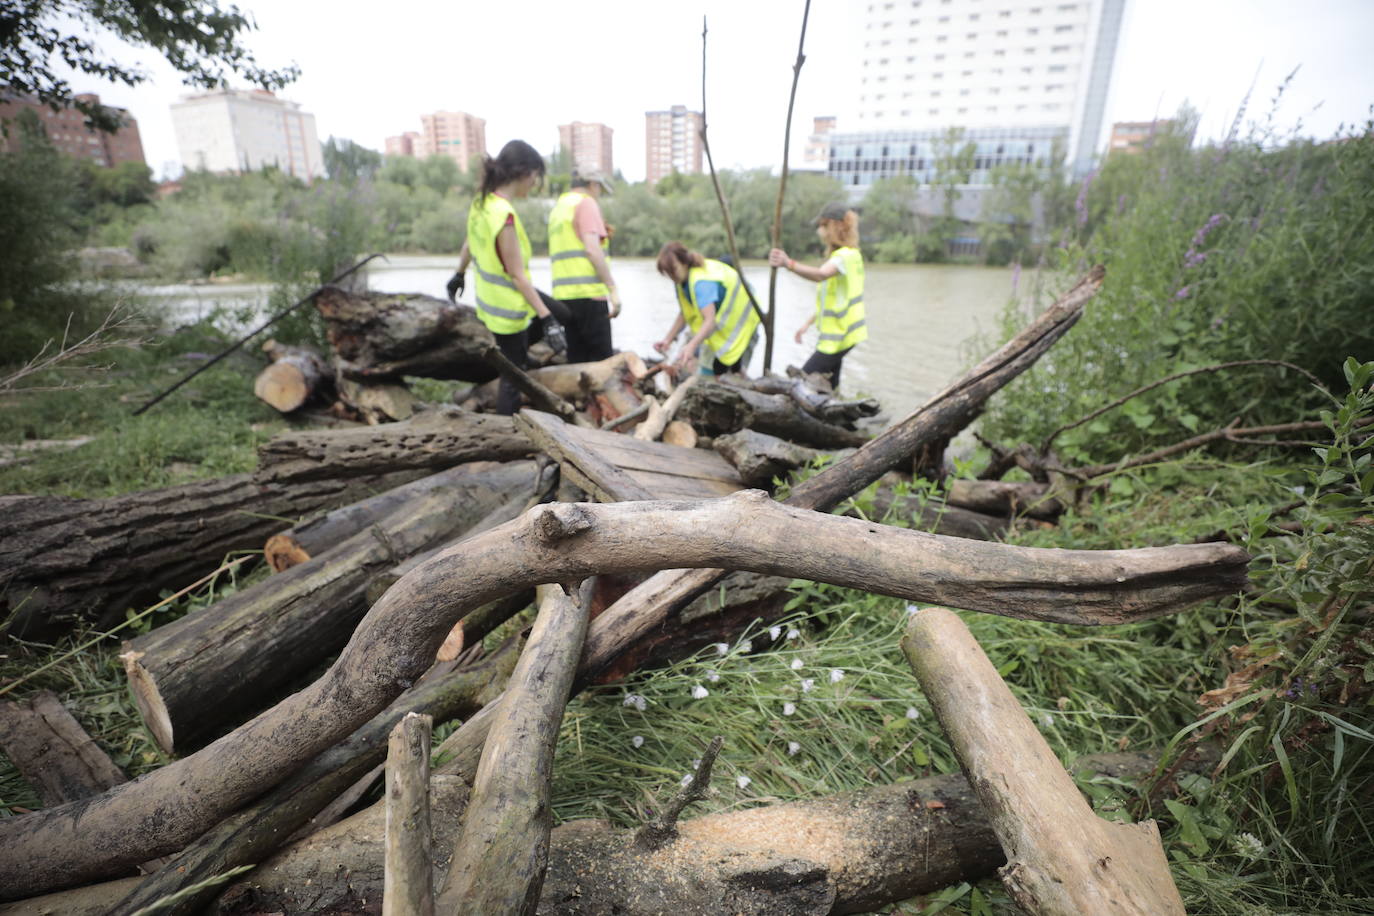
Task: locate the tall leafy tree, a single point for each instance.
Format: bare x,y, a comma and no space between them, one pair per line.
350,162
199,38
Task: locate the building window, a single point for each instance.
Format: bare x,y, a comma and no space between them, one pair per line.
1063,28
1059,49
1058,68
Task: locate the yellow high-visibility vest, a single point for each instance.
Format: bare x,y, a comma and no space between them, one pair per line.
840,305
500,305
735,317
574,275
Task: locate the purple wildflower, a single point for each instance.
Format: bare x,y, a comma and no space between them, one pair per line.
1212,222
1183,292
1194,258
1121,204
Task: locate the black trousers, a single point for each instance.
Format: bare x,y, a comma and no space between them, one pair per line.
516,348
827,364
589,330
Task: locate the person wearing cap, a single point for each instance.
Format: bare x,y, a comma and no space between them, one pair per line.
839,294
507,302
582,280
712,302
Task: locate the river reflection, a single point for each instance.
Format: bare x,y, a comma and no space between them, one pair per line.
918,317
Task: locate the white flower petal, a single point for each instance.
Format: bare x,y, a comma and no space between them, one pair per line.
637,740
686,780
808,684
793,748
774,633
743,781
912,610
699,692
794,633
637,701
836,675
747,646
788,709
1047,719
712,676
913,713
722,648
796,664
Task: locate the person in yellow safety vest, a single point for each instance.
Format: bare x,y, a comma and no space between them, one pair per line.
840,293
582,281
507,301
713,303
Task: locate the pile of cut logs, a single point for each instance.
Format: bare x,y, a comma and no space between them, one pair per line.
285,702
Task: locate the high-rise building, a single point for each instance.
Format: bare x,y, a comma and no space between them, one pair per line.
1017,77
455,134
238,130
67,130
672,142
818,144
589,145
1135,136
405,144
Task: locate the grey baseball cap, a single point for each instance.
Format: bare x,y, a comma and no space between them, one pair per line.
834,210
599,177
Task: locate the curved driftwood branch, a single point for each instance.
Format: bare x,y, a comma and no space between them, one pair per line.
396,642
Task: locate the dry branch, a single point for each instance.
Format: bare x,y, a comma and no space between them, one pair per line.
716,409
408,887
651,429
540,396
502,851
566,543
1063,860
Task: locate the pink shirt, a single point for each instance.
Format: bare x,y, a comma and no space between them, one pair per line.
587,218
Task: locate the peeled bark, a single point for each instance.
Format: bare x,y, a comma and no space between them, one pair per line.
408,885
716,409
216,667
502,849
256,832
53,752
608,386
296,376
1063,860
66,561
311,538
435,439
383,336
397,640
652,428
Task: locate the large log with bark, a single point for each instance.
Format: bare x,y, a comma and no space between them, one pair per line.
608,386
53,752
396,642
270,822
716,409
214,668
1062,859
383,336
434,439
67,561
295,376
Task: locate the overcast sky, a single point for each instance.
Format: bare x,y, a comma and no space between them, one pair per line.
370,70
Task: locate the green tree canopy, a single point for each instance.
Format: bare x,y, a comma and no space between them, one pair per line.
197,37
349,162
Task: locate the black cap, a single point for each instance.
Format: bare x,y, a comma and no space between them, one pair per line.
834,210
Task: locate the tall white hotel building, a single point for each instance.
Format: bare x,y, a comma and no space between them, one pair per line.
1018,76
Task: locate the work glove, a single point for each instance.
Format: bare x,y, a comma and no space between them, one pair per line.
554,335
458,283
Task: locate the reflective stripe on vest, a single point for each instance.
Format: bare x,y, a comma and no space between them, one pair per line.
574,275
840,305
736,319
500,305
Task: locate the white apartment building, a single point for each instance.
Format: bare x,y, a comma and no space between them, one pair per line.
235,130
1017,76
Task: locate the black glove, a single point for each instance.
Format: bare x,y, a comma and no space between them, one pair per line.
554,334
457,283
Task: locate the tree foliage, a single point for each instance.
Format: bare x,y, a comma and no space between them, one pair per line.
350,162
197,37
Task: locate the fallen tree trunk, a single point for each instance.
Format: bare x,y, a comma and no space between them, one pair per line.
256,832
69,561
716,409
502,850
608,385
435,439
296,375
1000,497
383,336
311,538
214,668
759,457
374,403
1063,860
52,751
408,882
397,640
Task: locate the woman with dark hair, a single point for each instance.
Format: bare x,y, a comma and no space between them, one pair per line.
507,301
840,293
713,303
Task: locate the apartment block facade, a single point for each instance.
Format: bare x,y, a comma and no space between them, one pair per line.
455,134
1019,78
67,131
672,143
589,146
235,131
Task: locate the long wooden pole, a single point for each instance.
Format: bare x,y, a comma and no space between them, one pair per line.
782,189
724,206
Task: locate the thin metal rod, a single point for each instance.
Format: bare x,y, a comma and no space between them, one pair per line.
258,330
782,189
725,207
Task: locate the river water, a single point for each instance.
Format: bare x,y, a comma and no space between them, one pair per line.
919,316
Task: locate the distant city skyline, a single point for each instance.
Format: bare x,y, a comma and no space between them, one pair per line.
1171,51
